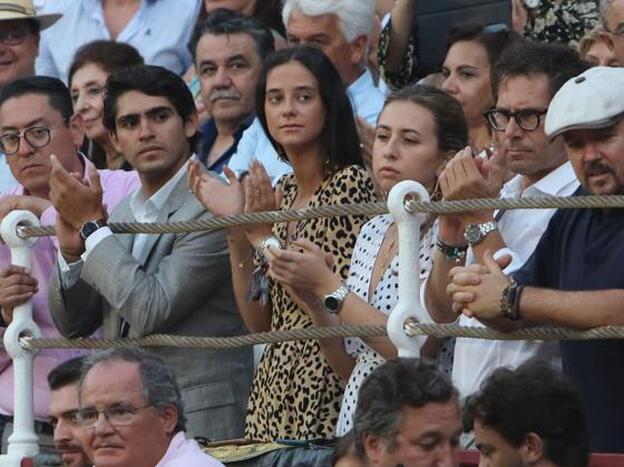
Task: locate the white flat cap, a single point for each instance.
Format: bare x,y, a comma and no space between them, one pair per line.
593,99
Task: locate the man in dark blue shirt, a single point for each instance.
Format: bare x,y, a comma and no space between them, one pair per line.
228,49
574,278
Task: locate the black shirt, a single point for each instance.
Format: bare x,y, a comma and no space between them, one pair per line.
583,249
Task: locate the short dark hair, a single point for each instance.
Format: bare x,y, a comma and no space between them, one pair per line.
526,58
153,81
339,138
66,373
225,22
392,386
534,398
448,115
494,40
53,88
160,386
111,56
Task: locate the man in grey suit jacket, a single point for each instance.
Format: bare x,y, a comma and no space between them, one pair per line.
134,285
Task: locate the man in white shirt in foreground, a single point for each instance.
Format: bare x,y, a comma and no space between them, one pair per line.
132,413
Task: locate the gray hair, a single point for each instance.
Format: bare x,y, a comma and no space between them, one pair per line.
160,386
392,386
356,17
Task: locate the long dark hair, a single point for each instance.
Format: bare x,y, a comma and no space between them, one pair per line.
339,138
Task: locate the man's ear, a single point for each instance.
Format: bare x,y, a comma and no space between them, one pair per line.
373,448
169,418
77,130
112,134
359,50
532,450
191,125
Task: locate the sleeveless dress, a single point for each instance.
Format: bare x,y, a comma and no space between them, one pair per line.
295,393
384,299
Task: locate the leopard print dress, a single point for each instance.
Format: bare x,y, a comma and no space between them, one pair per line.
295,394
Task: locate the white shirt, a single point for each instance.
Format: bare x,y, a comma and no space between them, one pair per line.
143,210
366,99
521,230
160,31
186,452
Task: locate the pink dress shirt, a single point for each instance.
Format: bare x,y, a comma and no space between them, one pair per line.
187,453
117,185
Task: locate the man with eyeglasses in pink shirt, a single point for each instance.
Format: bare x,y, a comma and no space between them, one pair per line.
35,123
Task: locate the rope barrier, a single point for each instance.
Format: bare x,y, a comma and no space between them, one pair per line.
367,209
412,328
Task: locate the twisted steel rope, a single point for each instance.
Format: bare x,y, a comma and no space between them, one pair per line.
368,209
412,328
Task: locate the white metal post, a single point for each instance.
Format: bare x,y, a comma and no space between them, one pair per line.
23,442
409,266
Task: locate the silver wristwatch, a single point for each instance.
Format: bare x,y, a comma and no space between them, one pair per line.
333,301
475,233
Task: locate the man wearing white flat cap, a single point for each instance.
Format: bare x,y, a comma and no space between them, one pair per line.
19,46
574,278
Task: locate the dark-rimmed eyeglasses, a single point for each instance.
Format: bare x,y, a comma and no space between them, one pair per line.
527,119
117,415
14,36
36,137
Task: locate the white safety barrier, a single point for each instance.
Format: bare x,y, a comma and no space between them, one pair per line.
408,307
23,442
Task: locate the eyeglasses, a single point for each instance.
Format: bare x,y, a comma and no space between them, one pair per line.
13,37
117,415
36,137
527,119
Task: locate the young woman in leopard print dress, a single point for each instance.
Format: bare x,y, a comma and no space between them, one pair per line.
303,107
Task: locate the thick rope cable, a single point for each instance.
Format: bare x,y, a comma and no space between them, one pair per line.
367,209
412,329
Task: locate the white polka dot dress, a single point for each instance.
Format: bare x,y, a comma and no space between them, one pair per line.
385,298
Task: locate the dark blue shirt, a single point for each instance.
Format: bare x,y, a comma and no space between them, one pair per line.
208,135
583,249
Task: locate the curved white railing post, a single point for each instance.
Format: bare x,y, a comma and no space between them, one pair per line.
409,266
23,442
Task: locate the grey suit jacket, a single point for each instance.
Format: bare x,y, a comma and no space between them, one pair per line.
180,285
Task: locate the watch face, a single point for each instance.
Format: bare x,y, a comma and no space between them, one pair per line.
473,234
532,4
332,303
88,228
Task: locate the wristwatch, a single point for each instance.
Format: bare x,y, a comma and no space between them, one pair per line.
333,301
475,233
90,227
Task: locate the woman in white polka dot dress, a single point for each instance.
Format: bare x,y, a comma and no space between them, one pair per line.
419,129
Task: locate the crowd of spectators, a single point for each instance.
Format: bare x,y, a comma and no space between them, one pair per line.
181,110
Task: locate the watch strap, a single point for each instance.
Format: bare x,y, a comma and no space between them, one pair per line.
482,229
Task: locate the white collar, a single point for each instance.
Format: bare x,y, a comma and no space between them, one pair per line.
139,203
549,185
